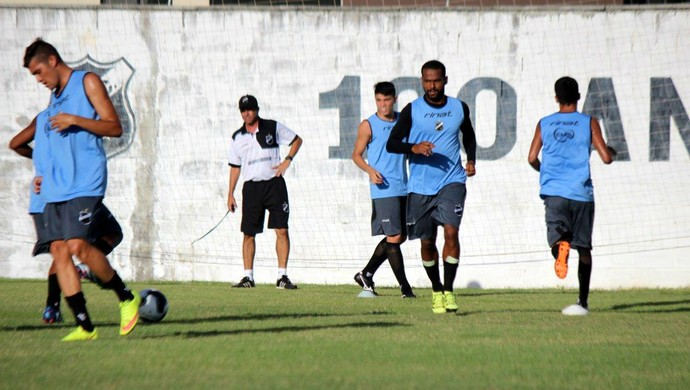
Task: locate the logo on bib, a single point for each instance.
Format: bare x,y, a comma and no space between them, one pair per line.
563,135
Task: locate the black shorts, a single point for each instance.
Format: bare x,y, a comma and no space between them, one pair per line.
388,216
569,220
259,196
425,213
86,218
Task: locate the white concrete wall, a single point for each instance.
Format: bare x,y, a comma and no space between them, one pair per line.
186,70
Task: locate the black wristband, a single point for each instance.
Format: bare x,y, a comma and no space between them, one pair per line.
288,157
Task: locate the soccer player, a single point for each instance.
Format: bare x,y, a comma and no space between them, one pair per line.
565,140
106,238
436,185
74,179
255,152
388,185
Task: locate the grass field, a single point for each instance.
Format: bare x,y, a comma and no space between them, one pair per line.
322,337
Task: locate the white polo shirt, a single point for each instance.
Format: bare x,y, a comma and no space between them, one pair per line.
256,154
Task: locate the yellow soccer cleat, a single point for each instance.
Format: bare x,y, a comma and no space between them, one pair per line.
438,304
450,304
129,314
80,334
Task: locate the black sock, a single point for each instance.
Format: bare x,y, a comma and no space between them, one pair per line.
584,271
116,284
78,305
395,258
434,276
53,291
377,258
449,272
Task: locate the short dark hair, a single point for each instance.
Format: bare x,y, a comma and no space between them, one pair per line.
40,50
385,88
436,65
567,91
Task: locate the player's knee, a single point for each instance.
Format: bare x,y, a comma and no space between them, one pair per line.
282,234
585,256
77,247
428,246
397,239
60,253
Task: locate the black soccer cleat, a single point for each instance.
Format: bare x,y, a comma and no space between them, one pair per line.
285,284
408,294
366,283
245,283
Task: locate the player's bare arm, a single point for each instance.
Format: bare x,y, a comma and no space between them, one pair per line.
20,142
534,149
285,164
363,139
234,178
605,152
107,126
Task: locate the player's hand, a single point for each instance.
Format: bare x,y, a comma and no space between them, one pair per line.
62,121
281,168
470,169
424,148
375,177
232,204
37,184
613,151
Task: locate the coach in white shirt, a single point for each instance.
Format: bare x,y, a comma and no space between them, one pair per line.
254,150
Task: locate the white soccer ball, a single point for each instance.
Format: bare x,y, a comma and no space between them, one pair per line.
154,305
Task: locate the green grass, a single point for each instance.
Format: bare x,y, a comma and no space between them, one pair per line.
324,337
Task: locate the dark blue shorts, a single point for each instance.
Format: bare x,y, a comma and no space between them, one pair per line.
425,213
569,220
84,217
388,216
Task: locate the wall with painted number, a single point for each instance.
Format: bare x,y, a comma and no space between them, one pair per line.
175,77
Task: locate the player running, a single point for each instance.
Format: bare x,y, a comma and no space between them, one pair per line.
388,185
73,181
565,140
436,187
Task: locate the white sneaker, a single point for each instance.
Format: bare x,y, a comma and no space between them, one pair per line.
575,310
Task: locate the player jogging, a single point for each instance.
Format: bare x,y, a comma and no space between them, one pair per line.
436,187
74,180
565,140
106,237
388,185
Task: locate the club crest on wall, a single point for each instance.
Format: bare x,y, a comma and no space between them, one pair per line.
116,76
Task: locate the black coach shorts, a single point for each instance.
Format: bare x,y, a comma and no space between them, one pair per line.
388,216
569,220
426,212
259,196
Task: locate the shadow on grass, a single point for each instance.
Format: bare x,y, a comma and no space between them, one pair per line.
279,329
642,307
201,320
476,293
